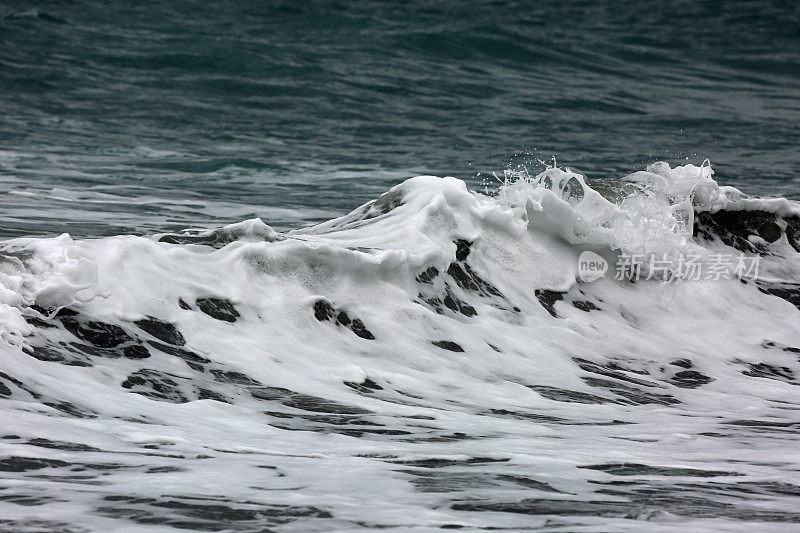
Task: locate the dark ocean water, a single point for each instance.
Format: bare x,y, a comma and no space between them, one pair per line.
137,117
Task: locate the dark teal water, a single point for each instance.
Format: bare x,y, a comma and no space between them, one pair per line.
137,117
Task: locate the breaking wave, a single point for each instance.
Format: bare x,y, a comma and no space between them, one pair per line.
432,359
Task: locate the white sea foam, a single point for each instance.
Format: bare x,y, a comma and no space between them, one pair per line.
497,388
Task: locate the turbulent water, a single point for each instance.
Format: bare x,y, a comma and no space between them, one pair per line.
429,360
235,296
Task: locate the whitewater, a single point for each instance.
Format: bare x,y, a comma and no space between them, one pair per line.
433,359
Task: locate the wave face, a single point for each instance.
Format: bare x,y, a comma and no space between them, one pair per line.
432,359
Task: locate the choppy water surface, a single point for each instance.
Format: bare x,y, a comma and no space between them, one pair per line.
131,118
227,304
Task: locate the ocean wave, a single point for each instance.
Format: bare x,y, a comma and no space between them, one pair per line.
435,341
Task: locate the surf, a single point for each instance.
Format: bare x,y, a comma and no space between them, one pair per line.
435,340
